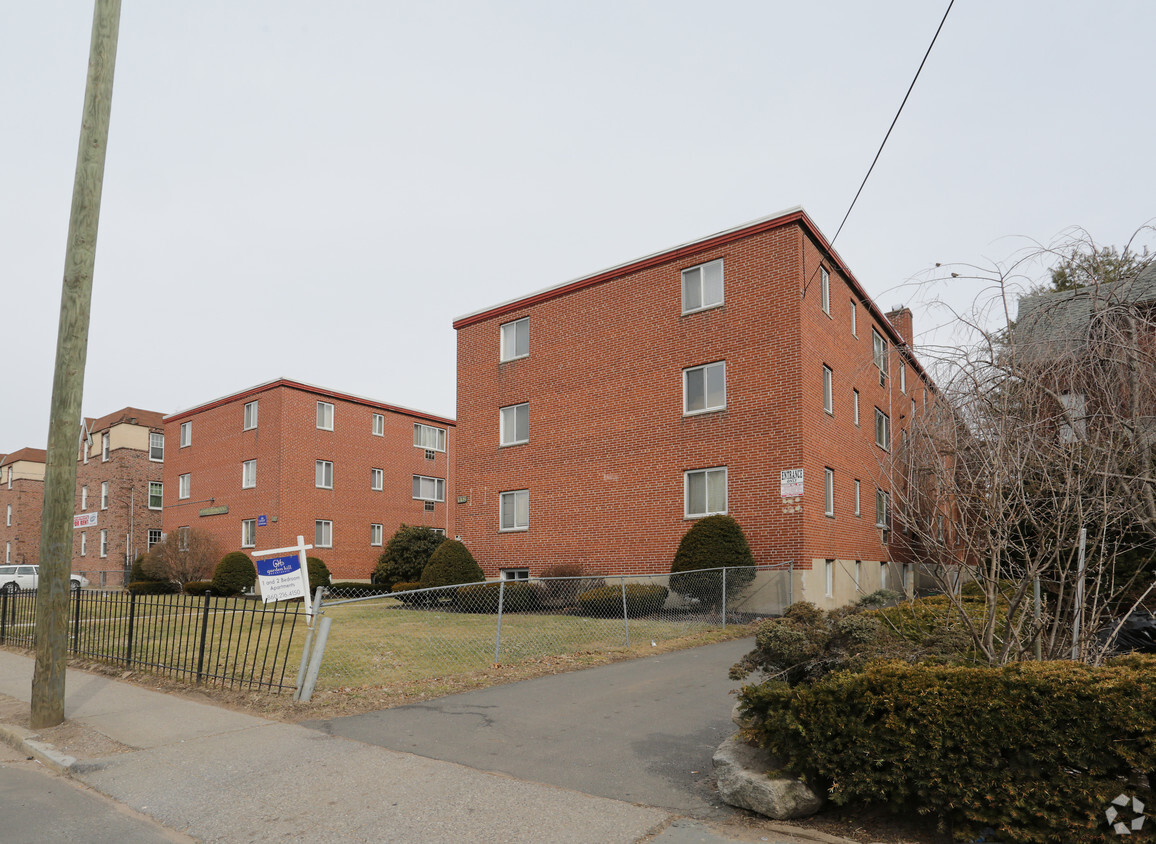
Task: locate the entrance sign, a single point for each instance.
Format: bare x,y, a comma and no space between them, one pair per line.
791,483
285,575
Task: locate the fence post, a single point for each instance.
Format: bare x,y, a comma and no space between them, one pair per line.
625,613
498,639
724,598
204,635
75,595
315,659
131,625
3,615
308,644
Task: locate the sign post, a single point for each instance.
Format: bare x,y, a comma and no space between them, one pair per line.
285,575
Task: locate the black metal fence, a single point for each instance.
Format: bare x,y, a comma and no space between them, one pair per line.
230,642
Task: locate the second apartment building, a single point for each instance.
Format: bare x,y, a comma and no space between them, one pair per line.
258,468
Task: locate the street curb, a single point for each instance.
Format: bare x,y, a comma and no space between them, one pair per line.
29,742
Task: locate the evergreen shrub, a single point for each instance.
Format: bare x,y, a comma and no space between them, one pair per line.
712,542
356,589
483,597
406,554
419,599
451,564
606,601
318,573
154,587
199,587
234,574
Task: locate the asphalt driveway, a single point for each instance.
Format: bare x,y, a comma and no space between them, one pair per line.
642,731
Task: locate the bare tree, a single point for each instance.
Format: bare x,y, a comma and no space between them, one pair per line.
183,556
1044,427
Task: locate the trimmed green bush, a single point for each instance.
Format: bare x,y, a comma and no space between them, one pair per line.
606,601
318,573
417,599
154,587
406,554
1036,750
140,574
712,542
483,597
234,574
356,589
451,564
564,593
199,587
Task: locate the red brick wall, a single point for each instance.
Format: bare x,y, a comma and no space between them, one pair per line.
286,445
27,500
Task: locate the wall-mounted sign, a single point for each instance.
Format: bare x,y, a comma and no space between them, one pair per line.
791,483
219,510
84,520
262,521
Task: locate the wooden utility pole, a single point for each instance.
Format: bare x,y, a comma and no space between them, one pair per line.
68,381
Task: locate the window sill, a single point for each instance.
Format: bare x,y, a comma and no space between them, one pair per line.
511,360
689,413
513,530
713,307
690,518
510,445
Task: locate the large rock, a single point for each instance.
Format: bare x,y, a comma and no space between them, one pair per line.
749,777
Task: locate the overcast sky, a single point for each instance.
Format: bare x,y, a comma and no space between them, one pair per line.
315,190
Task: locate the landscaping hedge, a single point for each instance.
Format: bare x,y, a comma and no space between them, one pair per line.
199,587
1036,750
606,601
356,589
483,597
153,587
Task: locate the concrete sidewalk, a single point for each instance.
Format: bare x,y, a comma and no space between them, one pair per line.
219,775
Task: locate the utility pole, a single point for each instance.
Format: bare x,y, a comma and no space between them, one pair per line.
68,380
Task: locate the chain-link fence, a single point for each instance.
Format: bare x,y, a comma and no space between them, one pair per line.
383,639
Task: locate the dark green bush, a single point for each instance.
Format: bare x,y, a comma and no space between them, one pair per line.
356,589
418,598
451,564
565,592
1035,750
606,601
154,587
712,542
483,597
199,587
318,573
406,554
140,574
234,574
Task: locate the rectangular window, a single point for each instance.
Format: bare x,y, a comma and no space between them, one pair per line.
429,489
83,544
705,492
104,543
104,448
156,447
882,430
883,575
854,318
104,495
375,532
156,495
704,388
248,474
154,537
829,577
902,377
515,574
515,510
250,415
323,474
881,508
858,510
184,486
376,479
879,355
858,573
855,406
825,290
7,552
828,390
702,286
514,424
183,538
829,492
323,533
379,425
429,437
87,447
515,339
939,528
324,416
186,433
9,517
248,533
83,498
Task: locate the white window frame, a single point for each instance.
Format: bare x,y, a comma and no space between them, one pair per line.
183,538
829,578
422,436
515,574
825,290
103,544
520,500
8,522
84,543
705,370
882,430
858,509
882,508
248,533
902,377
507,432
323,533
156,444
694,279
855,406
378,427
706,475
160,487
184,486
186,433
323,474
377,479
250,416
324,416
150,541
854,318
248,474
828,390
858,575
376,532
421,491
104,495
508,340
105,447
828,491
84,498
879,355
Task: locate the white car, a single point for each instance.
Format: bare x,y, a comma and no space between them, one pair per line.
15,578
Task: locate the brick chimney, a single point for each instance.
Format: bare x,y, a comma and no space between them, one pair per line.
900,317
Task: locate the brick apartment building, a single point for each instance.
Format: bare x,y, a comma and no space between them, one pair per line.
600,417
21,505
119,485
261,467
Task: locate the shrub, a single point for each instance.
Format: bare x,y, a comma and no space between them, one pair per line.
564,593
199,587
356,589
406,554
418,599
712,542
154,587
140,573
318,573
234,574
606,601
483,597
451,564
1036,750
880,598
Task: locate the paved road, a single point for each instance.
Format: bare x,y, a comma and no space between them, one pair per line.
642,731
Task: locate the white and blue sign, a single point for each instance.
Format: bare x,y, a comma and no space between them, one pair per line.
280,578
262,521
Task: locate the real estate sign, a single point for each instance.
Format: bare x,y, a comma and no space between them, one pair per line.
84,520
280,578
